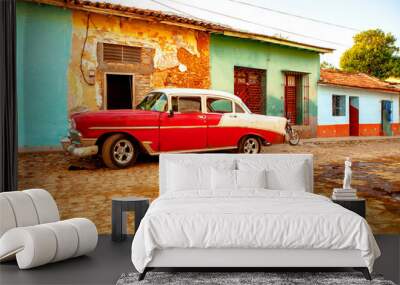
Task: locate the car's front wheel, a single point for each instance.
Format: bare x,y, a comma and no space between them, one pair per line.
119,151
250,145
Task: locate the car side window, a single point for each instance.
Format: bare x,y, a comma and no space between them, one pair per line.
186,104
238,108
219,105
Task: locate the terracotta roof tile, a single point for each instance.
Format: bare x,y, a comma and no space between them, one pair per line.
356,80
127,8
150,13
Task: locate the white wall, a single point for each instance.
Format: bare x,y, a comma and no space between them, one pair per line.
369,105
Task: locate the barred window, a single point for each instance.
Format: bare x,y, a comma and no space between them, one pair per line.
338,105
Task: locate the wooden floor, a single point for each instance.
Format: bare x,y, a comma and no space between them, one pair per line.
111,259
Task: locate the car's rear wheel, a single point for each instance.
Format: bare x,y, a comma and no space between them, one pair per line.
294,138
250,145
119,151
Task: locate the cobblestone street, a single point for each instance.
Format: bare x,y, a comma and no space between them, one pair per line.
88,192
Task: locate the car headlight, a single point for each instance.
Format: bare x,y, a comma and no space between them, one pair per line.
72,124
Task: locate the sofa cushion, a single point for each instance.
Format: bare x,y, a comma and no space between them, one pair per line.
46,207
23,208
67,240
87,235
7,220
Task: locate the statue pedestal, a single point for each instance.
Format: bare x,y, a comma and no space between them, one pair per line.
344,194
351,190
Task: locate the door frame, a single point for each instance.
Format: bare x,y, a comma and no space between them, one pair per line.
358,122
105,95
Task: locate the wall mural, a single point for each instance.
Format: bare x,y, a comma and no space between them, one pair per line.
73,61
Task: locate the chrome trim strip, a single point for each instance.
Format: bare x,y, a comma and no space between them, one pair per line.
84,142
217,126
149,149
242,127
148,127
124,128
184,127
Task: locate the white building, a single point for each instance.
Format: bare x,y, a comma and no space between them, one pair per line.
356,104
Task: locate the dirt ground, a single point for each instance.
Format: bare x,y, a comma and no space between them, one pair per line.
87,192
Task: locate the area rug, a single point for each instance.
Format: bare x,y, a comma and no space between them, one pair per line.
269,278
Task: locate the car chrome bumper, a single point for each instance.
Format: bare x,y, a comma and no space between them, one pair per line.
79,150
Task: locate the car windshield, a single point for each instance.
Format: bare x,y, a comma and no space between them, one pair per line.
155,101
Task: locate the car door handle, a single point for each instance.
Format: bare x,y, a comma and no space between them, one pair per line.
233,116
201,116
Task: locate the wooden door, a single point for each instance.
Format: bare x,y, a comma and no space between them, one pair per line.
386,114
354,116
291,98
250,88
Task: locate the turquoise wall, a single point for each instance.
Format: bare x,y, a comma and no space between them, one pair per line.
227,52
43,52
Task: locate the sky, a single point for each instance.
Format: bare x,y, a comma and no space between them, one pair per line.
355,15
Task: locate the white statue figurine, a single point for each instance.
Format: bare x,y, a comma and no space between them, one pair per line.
347,174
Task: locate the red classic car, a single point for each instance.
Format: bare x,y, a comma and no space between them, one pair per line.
172,120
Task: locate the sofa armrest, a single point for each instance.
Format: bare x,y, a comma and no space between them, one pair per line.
32,246
41,244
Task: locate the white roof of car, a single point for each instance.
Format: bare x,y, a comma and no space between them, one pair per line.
197,92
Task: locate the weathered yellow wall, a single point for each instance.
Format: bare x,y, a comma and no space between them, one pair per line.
173,56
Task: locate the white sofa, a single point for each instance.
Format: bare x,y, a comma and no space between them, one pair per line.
31,230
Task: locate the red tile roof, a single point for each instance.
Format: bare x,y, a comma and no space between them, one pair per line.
129,10
355,80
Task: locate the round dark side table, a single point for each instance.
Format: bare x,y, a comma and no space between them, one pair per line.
121,205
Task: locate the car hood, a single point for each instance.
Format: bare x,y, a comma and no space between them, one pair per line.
107,113
115,118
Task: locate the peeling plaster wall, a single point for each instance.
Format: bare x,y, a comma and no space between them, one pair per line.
171,57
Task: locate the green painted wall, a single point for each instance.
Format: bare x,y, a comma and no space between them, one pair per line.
227,52
43,52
